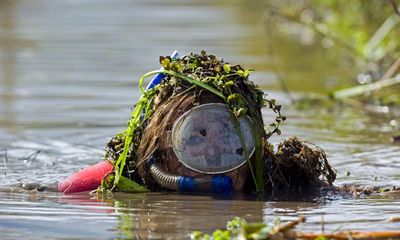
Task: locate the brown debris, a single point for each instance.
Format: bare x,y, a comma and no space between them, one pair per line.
299,163
396,139
345,235
286,231
393,219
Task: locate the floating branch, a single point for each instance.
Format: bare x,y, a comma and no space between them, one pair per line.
366,88
345,235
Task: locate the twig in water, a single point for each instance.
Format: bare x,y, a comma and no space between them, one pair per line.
396,139
33,155
5,158
392,70
350,235
361,89
287,226
367,108
322,224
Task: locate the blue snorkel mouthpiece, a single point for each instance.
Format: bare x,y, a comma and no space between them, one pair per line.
209,184
213,184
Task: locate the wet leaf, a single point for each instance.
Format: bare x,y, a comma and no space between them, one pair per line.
232,97
221,235
126,185
196,235
227,68
246,73
229,84
165,62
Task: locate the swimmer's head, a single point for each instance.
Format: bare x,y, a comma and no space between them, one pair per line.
190,125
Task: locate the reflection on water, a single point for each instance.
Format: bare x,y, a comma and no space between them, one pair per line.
172,216
68,75
8,63
10,45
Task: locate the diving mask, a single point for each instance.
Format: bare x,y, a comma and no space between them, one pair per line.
206,140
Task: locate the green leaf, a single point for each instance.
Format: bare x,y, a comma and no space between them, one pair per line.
246,73
126,185
229,84
254,228
184,77
233,97
165,62
196,235
221,235
227,68
235,225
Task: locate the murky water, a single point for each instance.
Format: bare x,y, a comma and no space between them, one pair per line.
69,71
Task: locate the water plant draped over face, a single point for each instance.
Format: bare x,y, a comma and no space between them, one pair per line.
196,73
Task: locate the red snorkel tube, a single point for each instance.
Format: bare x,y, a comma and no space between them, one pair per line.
89,178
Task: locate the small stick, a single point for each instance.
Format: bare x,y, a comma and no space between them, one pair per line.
286,226
349,235
360,89
322,224
5,158
33,155
359,105
395,8
391,71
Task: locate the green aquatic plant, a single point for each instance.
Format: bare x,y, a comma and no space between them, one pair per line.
364,32
239,228
193,73
360,34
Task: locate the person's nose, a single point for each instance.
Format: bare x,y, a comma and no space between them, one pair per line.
212,151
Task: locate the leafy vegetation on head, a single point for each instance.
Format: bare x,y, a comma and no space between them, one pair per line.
192,75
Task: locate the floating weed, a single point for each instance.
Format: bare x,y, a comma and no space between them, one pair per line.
260,231
238,228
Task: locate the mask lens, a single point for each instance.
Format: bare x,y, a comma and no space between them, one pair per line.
205,139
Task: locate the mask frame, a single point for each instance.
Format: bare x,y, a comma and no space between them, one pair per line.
246,127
